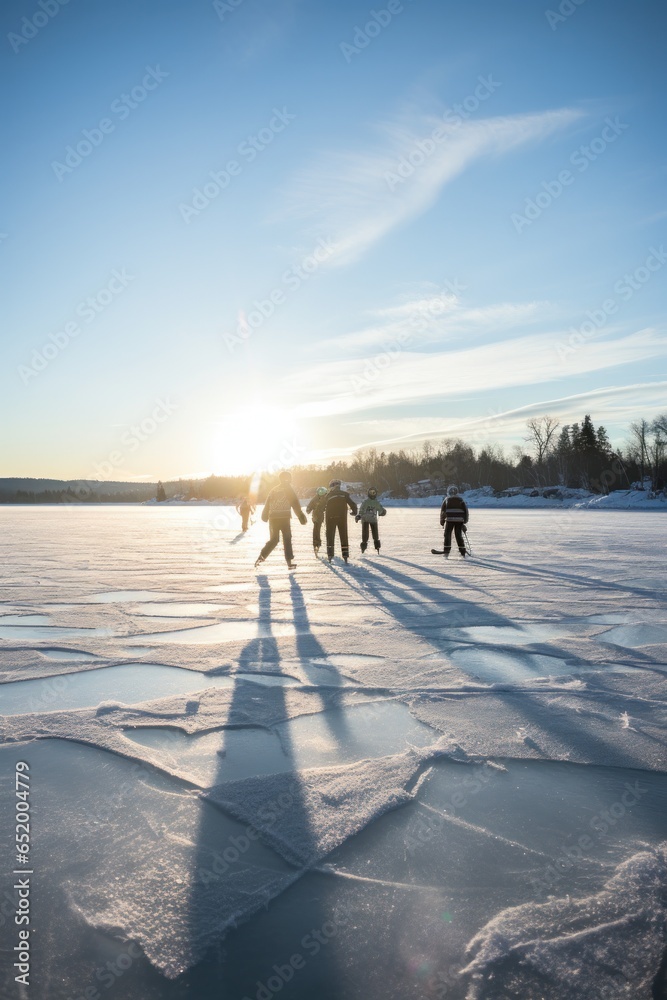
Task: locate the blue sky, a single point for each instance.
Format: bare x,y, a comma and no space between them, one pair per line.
428,221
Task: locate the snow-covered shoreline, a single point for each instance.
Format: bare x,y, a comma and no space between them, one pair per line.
485,498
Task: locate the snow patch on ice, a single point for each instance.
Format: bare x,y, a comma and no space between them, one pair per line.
607,945
328,805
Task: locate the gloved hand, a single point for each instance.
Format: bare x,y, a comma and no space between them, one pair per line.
382,513
464,528
442,524
303,518
357,518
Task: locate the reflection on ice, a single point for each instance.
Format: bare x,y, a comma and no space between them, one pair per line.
24,620
634,636
41,632
125,596
128,683
179,609
229,631
499,665
336,736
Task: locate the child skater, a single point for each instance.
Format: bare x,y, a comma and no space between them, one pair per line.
368,515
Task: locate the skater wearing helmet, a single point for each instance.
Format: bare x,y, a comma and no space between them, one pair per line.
454,517
336,503
316,508
368,514
280,502
246,510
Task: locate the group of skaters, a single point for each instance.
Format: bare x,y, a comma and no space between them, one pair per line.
329,509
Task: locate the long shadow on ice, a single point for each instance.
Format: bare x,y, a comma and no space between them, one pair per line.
397,594
254,959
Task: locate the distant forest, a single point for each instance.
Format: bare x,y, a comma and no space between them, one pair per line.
576,455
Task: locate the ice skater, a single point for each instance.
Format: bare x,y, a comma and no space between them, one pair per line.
316,509
245,509
370,510
454,517
336,503
280,503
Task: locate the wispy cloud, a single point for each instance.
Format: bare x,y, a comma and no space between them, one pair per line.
328,389
433,319
614,406
350,195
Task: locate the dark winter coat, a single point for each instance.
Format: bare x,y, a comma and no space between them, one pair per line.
280,502
336,503
454,510
316,507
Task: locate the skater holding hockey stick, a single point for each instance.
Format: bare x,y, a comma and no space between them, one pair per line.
454,517
370,510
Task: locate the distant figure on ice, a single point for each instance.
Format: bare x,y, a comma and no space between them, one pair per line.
316,508
368,514
454,517
280,503
246,510
336,503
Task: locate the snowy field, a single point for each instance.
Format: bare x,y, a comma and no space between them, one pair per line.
400,778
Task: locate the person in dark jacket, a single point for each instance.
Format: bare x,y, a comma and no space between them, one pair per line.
246,510
454,517
279,504
336,503
316,508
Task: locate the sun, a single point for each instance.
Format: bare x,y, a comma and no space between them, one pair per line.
255,438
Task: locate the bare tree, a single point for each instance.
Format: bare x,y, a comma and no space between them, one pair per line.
640,430
541,431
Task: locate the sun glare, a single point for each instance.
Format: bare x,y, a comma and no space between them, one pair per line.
256,438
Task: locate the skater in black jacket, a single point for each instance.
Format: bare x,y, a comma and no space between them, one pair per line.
279,504
316,508
454,517
336,503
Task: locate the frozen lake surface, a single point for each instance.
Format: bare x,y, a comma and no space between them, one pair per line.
400,778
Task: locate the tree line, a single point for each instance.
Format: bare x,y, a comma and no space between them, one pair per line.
577,455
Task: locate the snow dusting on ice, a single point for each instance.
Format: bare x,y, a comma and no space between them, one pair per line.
421,777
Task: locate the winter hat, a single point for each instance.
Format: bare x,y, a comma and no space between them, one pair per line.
285,477
333,483
321,491
372,491
452,491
